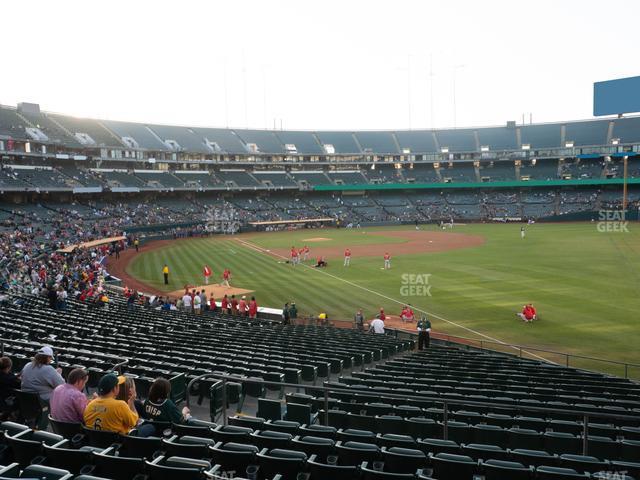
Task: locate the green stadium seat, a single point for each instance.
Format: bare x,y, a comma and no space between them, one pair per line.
500,470
447,466
557,473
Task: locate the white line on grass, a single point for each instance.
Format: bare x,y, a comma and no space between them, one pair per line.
257,248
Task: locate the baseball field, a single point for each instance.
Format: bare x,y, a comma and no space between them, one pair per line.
470,280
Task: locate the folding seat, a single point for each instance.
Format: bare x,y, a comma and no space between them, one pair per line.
318,446
108,464
30,407
376,409
524,438
44,472
292,375
100,438
582,463
269,409
371,473
391,424
141,447
394,440
13,428
489,434
301,413
403,460
324,431
566,426
234,456
603,447
421,427
630,433
300,398
323,471
63,455
532,423
230,433
501,469
436,445
28,444
354,453
560,442
479,451
533,457
171,468
269,439
604,430
335,418
255,423
194,430
467,416
287,463
458,432
556,473
67,429
354,435
276,377
447,466
408,411
285,426
630,450
631,468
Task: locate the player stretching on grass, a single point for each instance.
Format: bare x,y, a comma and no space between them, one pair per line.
387,261
347,257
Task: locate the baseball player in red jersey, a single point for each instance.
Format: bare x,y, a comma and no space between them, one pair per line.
347,257
294,256
206,271
226,276
387,261
306,253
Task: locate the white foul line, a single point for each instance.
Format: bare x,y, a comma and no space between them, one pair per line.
257,248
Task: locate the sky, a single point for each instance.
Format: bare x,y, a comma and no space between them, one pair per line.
316,65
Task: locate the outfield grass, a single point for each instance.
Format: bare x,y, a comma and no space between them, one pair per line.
585,284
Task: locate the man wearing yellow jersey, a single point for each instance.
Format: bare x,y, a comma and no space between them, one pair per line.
107,412
165,273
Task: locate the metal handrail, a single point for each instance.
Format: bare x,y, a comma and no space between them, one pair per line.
446,402
522,349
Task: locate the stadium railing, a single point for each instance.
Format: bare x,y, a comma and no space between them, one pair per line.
446,403
567,359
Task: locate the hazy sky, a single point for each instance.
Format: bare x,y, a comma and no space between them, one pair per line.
316,64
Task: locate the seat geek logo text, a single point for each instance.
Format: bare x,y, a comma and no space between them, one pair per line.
415,285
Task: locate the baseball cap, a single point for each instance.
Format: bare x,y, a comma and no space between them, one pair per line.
108,382
46,350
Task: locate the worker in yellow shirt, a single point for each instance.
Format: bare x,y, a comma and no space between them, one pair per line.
165,272
107,412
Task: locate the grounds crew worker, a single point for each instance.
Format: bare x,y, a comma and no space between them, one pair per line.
424,333
165,273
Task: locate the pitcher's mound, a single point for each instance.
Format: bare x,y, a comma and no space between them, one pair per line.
316,239
217,290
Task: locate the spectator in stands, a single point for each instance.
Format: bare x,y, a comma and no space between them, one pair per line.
242,306
293,311
358,319
286,319
107,412
212,303
377,325
187,302
253,308
68,403
40,377
160,408
8,382
131,300
224,304
424,332
197,304
234,305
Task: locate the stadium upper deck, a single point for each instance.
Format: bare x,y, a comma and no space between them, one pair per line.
73,134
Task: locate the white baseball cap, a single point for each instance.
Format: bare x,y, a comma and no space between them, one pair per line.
46,350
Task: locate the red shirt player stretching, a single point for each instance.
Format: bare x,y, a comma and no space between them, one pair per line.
387,261
347,257
294,256
207,273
